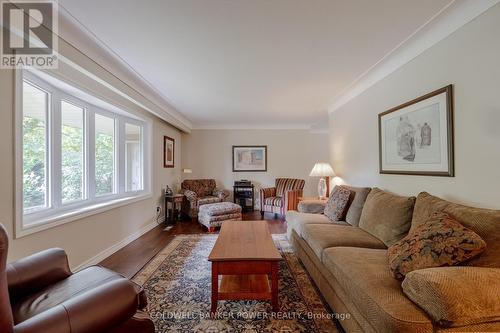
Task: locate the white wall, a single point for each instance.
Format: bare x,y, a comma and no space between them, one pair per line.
468,59
290,153
86,238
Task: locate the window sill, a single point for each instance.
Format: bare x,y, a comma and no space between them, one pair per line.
75,214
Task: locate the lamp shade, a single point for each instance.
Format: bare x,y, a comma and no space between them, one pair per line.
322,170
187,171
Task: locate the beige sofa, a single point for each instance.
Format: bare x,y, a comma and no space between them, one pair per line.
350,266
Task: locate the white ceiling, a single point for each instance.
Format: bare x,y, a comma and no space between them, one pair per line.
252,63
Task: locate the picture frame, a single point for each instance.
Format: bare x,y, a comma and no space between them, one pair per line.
417,137
249,158
168,152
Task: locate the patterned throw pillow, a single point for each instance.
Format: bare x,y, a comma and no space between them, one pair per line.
441,241
336,206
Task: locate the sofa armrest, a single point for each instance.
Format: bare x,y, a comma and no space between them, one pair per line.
220,193
190,195
36,272
456,296
292,199
96,310
311,206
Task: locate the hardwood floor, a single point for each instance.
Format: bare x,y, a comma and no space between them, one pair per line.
130,259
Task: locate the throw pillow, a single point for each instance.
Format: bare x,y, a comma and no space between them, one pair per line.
441,241
387,216
336,206
456,296
356,203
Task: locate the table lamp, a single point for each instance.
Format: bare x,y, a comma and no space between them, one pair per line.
325,171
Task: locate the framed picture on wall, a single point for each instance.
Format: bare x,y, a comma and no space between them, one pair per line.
249,158
416,138
168,152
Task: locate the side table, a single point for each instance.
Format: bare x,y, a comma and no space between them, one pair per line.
174,213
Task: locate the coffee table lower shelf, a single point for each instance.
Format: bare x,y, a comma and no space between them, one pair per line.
261,284
243,287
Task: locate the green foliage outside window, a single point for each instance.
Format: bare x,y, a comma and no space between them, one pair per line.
34,167
72,163
33,162
104,164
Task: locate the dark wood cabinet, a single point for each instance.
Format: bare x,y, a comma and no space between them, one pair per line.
244,196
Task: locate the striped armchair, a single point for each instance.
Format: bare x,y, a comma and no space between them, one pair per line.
282,197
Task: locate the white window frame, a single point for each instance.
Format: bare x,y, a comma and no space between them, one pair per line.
58,213
76,102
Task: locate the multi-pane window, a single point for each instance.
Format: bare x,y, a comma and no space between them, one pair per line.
104,154
35,153
74,153
133,157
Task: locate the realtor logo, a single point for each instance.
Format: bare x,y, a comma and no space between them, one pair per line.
29,34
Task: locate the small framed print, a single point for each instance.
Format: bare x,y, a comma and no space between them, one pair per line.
249,158
168,152
416,138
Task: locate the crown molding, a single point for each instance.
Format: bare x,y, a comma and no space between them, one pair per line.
74,33
253,127
451,18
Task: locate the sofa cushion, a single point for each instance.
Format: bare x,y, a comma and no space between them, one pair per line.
387,216
336,206
484,222
322,236
441,241
456,296
366,279
296,221
356,203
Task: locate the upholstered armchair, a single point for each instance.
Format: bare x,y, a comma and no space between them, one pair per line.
39,294
200,192
281,198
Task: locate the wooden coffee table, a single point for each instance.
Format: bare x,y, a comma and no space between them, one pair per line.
245,255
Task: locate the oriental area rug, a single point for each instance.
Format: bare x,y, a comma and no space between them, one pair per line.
178,285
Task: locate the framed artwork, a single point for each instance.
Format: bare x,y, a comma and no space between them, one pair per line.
416,138
249,158
168,152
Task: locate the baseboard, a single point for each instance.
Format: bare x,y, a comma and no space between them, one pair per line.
114,248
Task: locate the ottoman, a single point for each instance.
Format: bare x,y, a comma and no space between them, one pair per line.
212,215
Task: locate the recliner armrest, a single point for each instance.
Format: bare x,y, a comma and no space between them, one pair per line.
94,311
36,272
